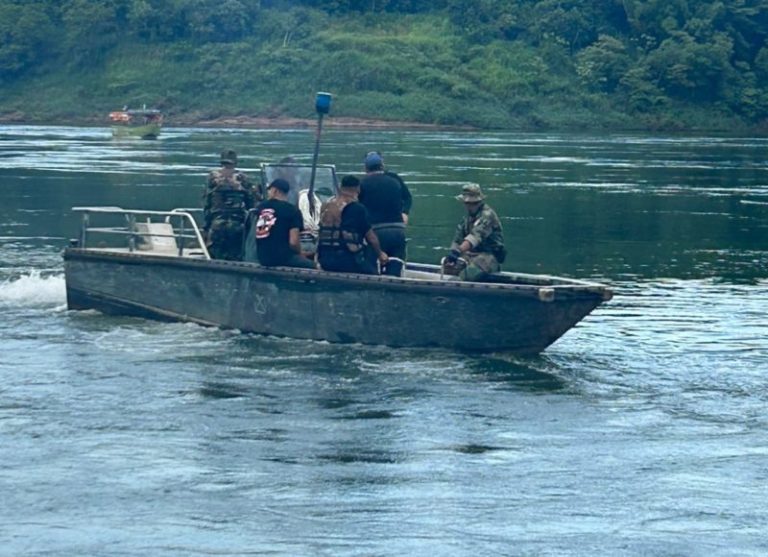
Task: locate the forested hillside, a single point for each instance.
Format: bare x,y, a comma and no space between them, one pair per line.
528,64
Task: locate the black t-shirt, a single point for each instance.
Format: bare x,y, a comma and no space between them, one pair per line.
274,220
382,195
355,218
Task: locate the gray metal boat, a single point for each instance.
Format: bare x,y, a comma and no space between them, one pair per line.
154,264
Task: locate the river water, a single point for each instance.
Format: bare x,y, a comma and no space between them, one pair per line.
643,431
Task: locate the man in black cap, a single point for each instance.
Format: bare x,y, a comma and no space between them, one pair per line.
227,198
388,201
275,227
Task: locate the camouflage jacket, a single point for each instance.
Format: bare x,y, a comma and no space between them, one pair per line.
483,231
227,192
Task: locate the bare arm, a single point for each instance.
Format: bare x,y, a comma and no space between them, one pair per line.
373,240
294,240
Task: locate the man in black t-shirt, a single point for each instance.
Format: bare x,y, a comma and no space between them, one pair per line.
345,234
275,225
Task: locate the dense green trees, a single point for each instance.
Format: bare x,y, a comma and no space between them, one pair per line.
483,62
27,36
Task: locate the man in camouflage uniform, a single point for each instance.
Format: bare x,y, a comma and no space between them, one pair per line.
228,197
478,245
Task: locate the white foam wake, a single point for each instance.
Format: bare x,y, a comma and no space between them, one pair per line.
33,290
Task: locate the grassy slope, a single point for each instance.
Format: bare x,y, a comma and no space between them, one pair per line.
405,69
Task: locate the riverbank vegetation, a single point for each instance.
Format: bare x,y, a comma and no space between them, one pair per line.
524,64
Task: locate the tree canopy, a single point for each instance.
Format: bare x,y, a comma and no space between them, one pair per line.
481,62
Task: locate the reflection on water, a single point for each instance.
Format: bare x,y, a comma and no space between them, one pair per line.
129,437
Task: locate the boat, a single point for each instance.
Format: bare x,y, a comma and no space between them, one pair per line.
144,123
154,264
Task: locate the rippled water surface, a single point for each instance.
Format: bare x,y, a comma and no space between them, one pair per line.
643,431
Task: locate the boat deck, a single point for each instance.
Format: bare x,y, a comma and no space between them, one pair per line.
175,235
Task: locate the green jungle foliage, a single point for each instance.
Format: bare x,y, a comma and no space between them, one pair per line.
526,64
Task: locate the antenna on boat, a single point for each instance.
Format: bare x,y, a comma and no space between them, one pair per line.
322,106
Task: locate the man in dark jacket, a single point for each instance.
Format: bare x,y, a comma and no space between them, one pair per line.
388,201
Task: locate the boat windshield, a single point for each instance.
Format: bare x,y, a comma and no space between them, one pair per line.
299,176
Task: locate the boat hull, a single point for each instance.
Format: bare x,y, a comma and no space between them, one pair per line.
148,131
335,307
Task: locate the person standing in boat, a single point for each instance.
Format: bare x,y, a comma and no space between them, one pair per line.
478,245
405,192
227,198
345,237
388,201
274,228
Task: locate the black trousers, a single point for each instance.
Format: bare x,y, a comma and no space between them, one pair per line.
345,262
392,238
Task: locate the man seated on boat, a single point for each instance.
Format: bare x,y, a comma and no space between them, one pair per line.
228,197
478,245
275,226
346,238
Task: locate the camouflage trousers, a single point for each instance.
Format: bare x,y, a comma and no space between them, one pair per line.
479,265
225,239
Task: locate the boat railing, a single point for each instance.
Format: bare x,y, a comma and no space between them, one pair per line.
173,232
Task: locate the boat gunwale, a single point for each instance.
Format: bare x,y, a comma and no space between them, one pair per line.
565,288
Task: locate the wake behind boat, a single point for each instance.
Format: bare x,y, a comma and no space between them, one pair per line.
155,264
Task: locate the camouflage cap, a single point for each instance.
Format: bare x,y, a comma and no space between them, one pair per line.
228,157
471,193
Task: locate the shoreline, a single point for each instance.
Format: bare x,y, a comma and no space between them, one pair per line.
192,120
342,122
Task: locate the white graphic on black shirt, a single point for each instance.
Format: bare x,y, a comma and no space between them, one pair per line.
267,220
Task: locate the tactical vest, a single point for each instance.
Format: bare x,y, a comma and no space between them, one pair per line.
228,201
330,235
494,242
227,177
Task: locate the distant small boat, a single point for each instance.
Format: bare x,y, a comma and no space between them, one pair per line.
140,122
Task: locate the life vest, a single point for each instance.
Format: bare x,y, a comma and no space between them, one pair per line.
331,236
227,177
229,201
494,240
